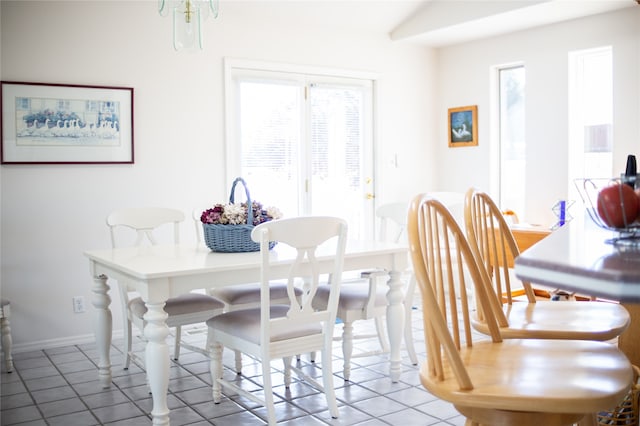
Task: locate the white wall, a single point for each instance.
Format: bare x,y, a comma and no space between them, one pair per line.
51,213
463,79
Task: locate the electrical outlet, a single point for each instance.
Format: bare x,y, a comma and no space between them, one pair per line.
78,304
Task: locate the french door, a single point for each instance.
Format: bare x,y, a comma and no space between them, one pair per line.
303,142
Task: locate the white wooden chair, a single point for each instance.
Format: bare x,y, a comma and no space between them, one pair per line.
365,298
493,243
186,309
5,333
282,331
491,381
242,296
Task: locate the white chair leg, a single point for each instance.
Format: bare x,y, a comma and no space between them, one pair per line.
176,346
327,382
287,371
238,355
382,334
5,330
347,348
127,343
268,392
408,330
216,371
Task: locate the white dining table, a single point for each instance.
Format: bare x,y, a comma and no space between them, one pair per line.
163,271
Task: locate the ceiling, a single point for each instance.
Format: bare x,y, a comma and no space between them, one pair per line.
444,22
433,23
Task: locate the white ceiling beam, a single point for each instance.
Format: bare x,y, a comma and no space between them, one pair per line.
442,22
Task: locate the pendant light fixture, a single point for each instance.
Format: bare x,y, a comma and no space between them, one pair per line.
187,16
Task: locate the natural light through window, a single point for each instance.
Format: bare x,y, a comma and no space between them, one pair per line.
304,142
590,115
512,138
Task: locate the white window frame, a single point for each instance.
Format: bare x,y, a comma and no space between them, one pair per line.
235,66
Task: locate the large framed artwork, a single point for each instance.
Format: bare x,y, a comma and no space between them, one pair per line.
463,126
66,124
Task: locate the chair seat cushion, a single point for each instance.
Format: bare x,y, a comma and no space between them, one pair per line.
245,323
250,293
352,296
183,304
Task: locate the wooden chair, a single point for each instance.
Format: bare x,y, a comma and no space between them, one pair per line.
186,309
492,241
282,331
5,332
491,381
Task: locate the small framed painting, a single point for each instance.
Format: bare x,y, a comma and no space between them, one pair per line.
66,124
463,126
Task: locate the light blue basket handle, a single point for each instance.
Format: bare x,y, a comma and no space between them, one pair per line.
246,191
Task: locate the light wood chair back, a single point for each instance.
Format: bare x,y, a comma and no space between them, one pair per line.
495,248
490,380
489,231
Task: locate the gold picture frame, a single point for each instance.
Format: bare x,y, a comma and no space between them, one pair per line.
463,126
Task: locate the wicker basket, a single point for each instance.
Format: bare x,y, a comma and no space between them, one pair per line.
233,238
626,413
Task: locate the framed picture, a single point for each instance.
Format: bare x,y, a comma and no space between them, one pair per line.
463,126
66,124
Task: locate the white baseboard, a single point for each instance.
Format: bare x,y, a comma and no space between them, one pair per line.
56,343
194,329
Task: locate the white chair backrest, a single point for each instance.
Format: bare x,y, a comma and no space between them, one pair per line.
144,220
304,234
196,214
395,213
454,202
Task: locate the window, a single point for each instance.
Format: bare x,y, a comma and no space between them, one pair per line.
512,144
590,115
303,141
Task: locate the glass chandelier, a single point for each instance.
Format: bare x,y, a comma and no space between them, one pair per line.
187,18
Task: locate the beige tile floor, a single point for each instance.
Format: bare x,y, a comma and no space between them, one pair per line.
59,387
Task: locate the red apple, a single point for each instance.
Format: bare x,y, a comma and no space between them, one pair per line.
637,191
617,205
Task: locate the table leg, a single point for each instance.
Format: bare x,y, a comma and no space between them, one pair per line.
157,360
395,322
103,327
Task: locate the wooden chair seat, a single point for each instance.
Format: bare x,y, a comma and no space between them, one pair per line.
561,320
558,376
